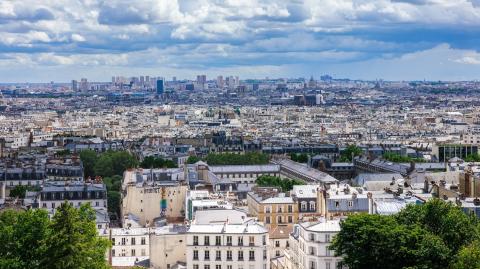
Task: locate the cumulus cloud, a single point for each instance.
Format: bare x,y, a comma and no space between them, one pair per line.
215,35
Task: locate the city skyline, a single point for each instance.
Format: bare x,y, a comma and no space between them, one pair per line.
387,39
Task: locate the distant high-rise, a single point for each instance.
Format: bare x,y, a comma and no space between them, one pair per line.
174,79
74,85
201,79
83,84
142,80
160,86
220,83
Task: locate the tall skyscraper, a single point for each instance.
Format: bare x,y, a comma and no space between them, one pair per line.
74,85
83,84
160,86
201,79
220,82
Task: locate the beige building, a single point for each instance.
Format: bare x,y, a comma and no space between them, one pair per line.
167,246
147,196
272,207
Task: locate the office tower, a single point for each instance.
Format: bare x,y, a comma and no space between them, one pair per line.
160,86
142,80
220,81
201,79
74,85
174,79
83,84
189,87
113,80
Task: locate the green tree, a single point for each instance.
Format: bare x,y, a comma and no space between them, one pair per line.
472,158
122,160
88,158
73,241
299,157
104,166
19,191
420,236
237,159
114,200
469,257
350,152
193,159
272,181
22,235
156,162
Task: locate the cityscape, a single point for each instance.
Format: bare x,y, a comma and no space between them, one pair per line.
240,134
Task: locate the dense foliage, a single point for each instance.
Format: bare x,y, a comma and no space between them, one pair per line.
472,158
69,241
156,162
19,191
397,158
271,181
193,159
237,159
434,235
299,157
110,166
350,152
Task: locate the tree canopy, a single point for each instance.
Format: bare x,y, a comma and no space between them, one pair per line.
299,157
271,181
31,240
156,162
237,159
193,159
397,158
351,151
434,235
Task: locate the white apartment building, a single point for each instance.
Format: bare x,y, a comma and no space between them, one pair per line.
309,245
129,246
226,239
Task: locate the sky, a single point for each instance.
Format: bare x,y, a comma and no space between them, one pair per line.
61,40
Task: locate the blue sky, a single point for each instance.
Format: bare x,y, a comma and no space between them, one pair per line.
62,40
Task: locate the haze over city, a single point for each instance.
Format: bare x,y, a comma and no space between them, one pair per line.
368,39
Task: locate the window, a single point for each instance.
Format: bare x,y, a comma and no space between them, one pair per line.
264,254
113,241
240,255
218,266
195,240
133,252
251,240
143,241
206,266
327,237
337,204
229,255
143,252
303,206
312,206
277,253
267,219
290,219
123,241
290,208
267,209
229,240
264,240
350,203
311,237
279,219
287,245
206,240
113,253
218,240
240,241
311,250
207,255
229,267
277,243
327,251
132,241
313,265
195,255
218,255
279,209
195,266
327,265
251,255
